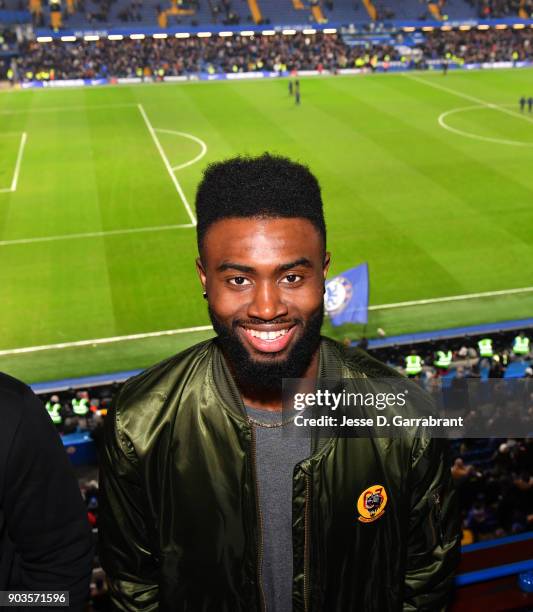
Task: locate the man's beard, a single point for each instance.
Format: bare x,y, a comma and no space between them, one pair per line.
264,377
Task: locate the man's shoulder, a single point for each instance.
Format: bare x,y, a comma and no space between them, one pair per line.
12,387
357,361
151,388
16,399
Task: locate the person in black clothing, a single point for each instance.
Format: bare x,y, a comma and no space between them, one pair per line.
290,87
529,104
522,103
297,92
45,538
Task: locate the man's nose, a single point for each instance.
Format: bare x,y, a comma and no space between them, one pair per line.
267,303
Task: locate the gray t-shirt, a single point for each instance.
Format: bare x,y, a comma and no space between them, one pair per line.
276,453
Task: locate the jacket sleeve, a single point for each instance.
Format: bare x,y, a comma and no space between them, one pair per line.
46,519
125,549
433,549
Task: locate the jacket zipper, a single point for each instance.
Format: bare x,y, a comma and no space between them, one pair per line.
306,540
260,519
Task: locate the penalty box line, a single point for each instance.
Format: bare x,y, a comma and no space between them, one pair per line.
167,164
14,182
203,328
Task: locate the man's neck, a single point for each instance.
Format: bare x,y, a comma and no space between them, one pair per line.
274,402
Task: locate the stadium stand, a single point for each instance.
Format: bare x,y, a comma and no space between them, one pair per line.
277,52
85,14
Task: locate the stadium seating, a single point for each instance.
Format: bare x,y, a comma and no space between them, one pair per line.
88,14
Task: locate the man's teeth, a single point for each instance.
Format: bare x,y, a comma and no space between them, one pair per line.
272,335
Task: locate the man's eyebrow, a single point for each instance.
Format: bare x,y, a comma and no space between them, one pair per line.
229,265
303,261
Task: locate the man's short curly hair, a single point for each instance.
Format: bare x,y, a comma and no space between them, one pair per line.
267,186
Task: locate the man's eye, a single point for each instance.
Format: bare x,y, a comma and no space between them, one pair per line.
239,280
290,279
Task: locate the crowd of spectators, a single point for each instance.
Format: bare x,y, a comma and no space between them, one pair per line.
494,9
179,56
183,56
495,485
222,11
479,45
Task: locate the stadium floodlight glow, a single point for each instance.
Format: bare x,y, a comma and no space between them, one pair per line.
408,29
446,28
89,38
518,26
223,34
288,32
247,33
69,38
428,28
483,27
465,28
182,35
268,32
500,26
115,37
137,36
160,35
329,30
44,39
309,31
204,34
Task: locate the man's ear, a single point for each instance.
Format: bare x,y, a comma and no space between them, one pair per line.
327,261
201,272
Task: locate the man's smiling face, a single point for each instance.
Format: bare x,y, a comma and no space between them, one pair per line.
265,283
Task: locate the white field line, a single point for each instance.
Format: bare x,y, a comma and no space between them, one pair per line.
167,164
62,109
202,144
134,230
62,345
468,97
452,298
184,330
14,182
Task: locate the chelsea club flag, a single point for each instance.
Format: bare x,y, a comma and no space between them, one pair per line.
346,298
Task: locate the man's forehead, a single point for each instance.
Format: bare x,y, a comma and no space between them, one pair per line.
262,238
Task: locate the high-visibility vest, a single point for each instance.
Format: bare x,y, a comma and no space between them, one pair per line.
413,365
443,360
521,345
485,347
81,406
54,412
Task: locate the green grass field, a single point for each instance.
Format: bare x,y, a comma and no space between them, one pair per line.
90,240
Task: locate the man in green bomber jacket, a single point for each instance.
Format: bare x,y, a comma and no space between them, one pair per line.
206,506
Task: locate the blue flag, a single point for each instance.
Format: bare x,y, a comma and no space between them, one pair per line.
346,297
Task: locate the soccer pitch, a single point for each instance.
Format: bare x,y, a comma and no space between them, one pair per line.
426,177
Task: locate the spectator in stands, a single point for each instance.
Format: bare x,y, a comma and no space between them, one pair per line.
45,541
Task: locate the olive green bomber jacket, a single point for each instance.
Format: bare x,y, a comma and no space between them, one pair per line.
179,523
